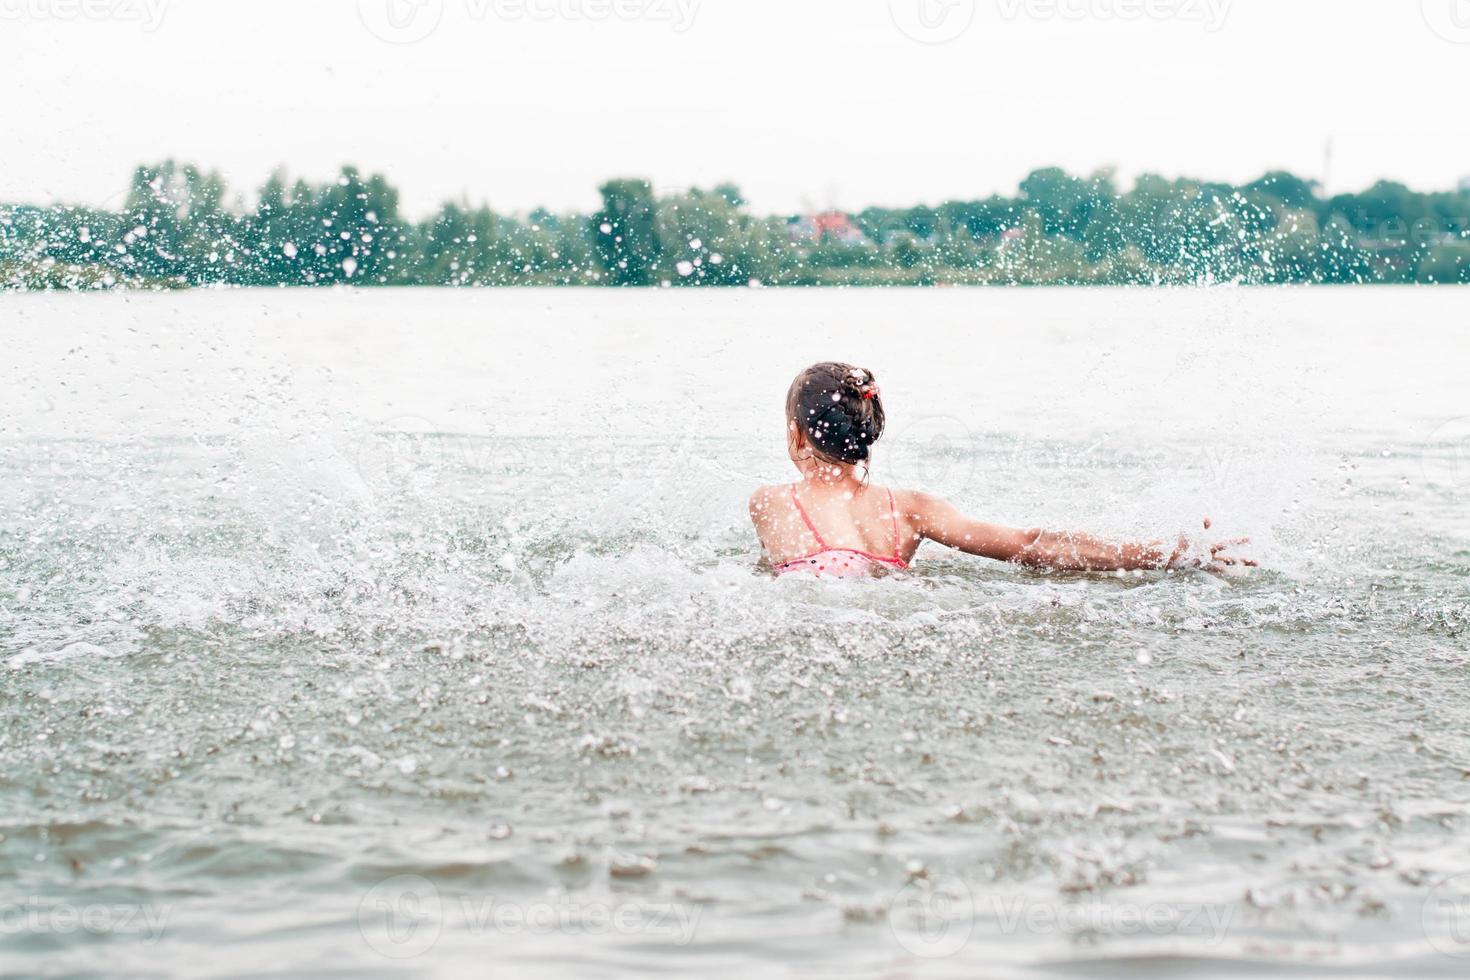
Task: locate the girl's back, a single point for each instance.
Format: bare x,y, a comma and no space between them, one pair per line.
833,530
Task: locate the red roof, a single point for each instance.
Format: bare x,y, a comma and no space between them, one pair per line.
833,223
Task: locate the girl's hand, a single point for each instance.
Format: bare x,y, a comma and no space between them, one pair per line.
1218,558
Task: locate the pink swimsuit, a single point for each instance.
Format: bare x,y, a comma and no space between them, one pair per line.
842,562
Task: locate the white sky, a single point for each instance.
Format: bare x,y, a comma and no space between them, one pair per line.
522,102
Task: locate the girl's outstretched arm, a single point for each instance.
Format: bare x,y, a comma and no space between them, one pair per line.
938,520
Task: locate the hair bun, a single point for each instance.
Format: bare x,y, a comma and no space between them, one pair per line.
836,432
839,408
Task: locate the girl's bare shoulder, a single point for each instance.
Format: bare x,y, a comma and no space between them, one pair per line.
911,501
762,499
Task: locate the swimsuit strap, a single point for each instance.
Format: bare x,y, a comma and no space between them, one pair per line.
893,515
821,545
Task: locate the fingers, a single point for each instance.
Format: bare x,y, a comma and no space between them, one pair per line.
1230,562
1218,560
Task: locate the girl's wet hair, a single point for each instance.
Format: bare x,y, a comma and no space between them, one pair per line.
839,410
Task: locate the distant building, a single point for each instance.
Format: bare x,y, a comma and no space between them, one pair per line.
827,226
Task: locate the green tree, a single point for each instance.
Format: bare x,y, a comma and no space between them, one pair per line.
627,239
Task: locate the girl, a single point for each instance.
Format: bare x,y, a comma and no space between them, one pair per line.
833,524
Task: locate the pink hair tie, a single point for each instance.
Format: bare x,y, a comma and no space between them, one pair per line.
871,393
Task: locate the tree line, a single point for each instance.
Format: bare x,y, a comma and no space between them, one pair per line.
178,227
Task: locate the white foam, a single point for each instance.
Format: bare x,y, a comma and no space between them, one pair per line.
71,651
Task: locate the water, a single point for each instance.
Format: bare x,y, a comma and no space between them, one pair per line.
417,632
